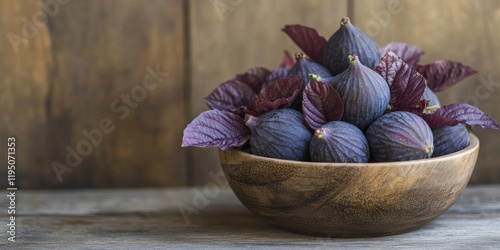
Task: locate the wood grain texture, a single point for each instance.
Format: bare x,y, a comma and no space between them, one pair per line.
349,199
71,77
150,219
461,30
24,87
70,67
235,38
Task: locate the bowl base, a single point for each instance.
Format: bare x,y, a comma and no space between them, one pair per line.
349,235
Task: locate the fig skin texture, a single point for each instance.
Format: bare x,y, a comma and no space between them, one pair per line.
339,141
450,139
303,68
281,134
431,96
348,40
364,92
328,80
399,136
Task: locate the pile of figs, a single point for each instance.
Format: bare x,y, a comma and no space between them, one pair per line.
346,101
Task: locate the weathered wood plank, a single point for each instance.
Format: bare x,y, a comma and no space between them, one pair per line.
91,70
228,37
150,218
25,73
461,30
114,45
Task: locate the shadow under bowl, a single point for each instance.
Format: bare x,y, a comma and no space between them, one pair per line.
349,199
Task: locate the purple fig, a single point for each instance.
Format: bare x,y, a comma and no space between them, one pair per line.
329,80
280,133
399,136
303,67
364,92
348,40
450,139
431,96
339,141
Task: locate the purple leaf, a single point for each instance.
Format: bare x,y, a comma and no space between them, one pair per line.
259,72
453,114
321,104
288,61
307,39
406,84
216,128
254,78
388,66
407,89
408,53
278,94
444,74
231,95
434,120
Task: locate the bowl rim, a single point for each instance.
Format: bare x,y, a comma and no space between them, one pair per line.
473,146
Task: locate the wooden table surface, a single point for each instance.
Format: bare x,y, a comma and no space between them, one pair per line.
152,219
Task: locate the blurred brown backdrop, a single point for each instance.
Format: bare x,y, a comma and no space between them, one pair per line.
80,75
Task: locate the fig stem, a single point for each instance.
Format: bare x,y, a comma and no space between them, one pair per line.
249,121
315,77
319,133
428,149
299,56
344,22
389,108
353,59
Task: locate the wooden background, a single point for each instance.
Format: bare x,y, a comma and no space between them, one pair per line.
80,59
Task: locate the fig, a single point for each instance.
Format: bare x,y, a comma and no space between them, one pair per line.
450,139
348,40
329,80
303,67
280,133
431,96
399,136
339,141
364,92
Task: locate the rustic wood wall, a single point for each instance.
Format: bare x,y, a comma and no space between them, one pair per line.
69,76
461,30
71,68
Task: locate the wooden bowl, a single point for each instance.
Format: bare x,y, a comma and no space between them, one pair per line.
349,199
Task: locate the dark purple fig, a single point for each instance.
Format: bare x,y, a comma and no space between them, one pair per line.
303,67
431,96
280,133
399,136
339,141
329,80
364,92
348,40
450,139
